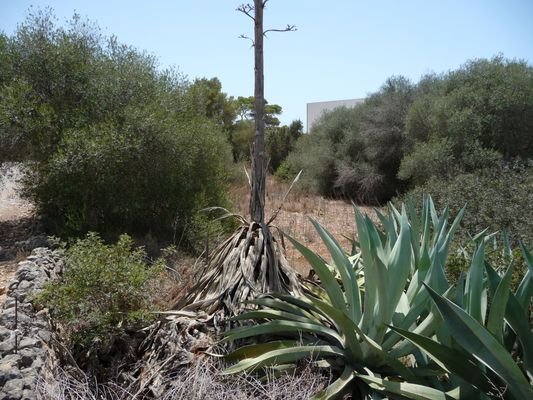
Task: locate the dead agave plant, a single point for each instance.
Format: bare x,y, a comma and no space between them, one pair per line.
249,263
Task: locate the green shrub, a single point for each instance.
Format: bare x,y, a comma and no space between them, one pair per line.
280,141
153,176
284,172
103,292
356,152
498,198
470,119
459,260
428,159
315,156
113,144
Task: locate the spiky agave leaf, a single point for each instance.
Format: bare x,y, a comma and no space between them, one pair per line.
478,340
334,316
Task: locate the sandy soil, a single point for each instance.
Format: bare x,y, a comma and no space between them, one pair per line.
15,221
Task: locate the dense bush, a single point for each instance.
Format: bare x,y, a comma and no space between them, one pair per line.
314,155
406,134
280,141
498,198
114,144
356,152
156,179
469,119
103,292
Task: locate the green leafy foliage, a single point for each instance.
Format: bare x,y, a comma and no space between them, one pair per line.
405,135
151,179
481,113
364,146
112,144
280,141
103,292
345,323
246,110
497,199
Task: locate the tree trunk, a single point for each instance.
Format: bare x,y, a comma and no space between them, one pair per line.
257,197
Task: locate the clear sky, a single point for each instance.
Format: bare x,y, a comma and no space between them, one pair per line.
342,49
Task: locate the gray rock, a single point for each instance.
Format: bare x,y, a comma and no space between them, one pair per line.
28,356
9,303
29,342
19,372
25,265
8,371
23,307
4,333
29,395
37,363
24,285
7,346
21,294
29,380
7,318
29,275
43,334
13,389
12,359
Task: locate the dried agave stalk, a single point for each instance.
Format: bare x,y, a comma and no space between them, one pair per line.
249,263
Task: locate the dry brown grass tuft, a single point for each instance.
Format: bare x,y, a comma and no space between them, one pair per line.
336,216
181,275
200,381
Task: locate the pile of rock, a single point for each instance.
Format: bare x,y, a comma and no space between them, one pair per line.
25,331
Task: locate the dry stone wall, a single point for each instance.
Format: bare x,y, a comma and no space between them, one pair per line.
25,331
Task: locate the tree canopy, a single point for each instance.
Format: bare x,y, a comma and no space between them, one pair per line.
405,133
112,143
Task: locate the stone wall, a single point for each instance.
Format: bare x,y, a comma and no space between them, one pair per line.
25,331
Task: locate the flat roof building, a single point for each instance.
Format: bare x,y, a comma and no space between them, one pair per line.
315,110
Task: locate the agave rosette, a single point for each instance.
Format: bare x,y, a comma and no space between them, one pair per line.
347,327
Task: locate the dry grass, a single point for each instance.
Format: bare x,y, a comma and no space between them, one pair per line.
201,381
336,216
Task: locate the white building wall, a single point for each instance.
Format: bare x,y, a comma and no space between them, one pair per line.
315,110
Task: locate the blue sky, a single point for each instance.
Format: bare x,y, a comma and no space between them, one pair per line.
342,49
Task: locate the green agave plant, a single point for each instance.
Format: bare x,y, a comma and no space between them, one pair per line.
347,323
489,348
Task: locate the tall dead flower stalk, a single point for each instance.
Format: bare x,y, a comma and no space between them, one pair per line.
251,261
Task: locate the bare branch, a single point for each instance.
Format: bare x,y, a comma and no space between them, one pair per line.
288,28
247,9
248,38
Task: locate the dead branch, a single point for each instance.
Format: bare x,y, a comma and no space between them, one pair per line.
248,38
288,28
247,9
